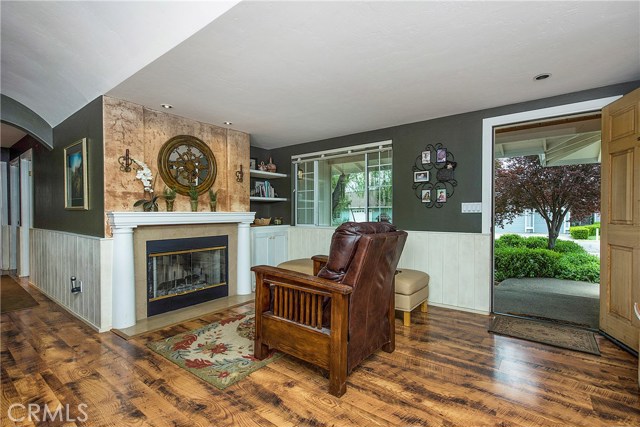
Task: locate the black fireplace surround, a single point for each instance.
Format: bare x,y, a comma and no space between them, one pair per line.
185,272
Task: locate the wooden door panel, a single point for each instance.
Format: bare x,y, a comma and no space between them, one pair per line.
621,188
623,123
620,221
620,273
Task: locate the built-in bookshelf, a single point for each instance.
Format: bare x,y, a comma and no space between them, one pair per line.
264,190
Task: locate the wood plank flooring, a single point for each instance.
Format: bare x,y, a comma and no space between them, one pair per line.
446,370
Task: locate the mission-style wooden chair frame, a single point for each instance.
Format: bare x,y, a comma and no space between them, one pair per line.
289,317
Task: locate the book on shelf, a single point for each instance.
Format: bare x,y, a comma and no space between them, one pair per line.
264,189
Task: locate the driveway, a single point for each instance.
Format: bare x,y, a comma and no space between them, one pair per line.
568,301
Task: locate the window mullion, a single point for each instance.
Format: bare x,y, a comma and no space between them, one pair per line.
366,185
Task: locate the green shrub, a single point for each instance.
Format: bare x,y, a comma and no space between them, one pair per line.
580,232
566,246
525,262
511,240
536,242
518,256
592,228
582,267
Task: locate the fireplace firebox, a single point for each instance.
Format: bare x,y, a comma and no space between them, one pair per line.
184,272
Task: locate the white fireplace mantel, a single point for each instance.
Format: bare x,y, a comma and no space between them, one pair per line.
122,225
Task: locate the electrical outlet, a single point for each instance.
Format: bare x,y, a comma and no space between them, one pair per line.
76,285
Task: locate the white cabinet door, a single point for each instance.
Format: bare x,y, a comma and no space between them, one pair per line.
269,246
279,248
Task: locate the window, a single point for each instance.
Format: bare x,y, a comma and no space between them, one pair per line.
351,184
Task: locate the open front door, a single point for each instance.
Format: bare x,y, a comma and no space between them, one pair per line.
620,219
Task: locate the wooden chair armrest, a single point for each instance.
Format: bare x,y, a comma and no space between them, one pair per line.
300,279
321,258
319,261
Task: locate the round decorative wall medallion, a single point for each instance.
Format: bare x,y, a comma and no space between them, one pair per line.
184,162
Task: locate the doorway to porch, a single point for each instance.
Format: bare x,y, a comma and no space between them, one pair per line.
547,178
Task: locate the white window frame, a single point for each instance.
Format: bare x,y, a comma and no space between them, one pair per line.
365,149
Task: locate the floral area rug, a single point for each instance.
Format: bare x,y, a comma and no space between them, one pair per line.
220,353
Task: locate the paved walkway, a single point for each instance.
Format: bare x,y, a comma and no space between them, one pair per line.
565,300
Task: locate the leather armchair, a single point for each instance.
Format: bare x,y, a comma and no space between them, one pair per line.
342,314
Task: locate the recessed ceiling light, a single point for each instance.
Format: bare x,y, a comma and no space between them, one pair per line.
542,76
167,106
228,123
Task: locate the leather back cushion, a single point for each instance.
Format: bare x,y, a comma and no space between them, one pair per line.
344,244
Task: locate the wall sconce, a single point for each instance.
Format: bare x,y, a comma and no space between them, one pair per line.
239,175
125,162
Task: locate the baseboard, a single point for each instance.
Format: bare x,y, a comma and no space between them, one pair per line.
455,307
59,304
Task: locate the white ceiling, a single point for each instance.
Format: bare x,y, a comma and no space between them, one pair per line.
59,55
291,72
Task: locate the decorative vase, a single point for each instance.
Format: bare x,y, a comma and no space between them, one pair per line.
212,205
271,167
194,206
169,205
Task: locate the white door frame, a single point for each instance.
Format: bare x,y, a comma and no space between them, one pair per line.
26,202
4,216
14,211
488,157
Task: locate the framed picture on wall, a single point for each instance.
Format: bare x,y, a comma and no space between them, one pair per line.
441,195
76,194
426,157
441,155
426,196
421,176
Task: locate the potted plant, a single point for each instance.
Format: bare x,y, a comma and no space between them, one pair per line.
148,205
169,197
193,196
213,199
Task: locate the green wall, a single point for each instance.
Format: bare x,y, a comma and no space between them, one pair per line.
461,134
48,175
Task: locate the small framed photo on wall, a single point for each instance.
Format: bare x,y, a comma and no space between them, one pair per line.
76,194
441,155
426,157
426,196
441,195
421,176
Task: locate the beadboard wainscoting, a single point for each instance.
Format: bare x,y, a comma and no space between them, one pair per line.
56,256
458,263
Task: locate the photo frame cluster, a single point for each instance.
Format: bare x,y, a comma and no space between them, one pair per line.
433,176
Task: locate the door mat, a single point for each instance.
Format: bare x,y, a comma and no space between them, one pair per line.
220,353
14,297
546,333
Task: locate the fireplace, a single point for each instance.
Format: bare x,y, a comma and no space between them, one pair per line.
184,272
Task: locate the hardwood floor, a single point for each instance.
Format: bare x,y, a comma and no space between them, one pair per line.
446,370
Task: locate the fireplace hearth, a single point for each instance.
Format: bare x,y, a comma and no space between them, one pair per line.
184,272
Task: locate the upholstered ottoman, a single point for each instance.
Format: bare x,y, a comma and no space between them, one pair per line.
302,265
412,290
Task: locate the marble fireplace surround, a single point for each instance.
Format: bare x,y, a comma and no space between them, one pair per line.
124,272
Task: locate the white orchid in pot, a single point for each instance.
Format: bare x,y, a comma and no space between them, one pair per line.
145,176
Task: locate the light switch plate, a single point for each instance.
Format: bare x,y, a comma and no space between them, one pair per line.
475,207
